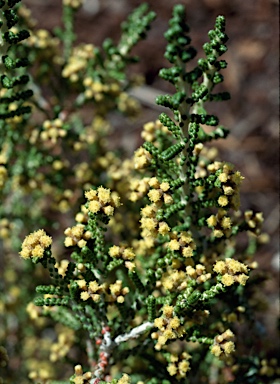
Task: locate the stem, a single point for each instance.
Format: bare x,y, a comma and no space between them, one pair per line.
134,333
108,345
69,35
184,110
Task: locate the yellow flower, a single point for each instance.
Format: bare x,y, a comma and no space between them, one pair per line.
35,244
102,200
174,245
115,251
216,350
174,323
187,252
104,195
223,201
154,195
227,280
163,228
121,252
212,221
229,347
220,267
172,370
85,296
124,380
168,310
232,271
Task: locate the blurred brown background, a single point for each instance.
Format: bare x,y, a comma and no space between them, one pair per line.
251,77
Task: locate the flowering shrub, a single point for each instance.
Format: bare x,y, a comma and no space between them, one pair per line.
150,281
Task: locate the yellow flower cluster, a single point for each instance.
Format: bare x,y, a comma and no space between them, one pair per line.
58,165
143,246
73,3
159,191
35,244
25,14
119,225
174,280
128,105
97,90
62,199
220,223
117,293
254,221
42,39
102,200
125,379
121,252
223,344
138,188
119,172
151,227
142,158
62,266
42,373
91,133
108,159
4,358
230,184
52,130
233,317
82,216
33,311
198,273
92,290
150,129
80,377
76,236
232,271
183,243
78,61
179,365
169,327
16,119
113,292
269,367
84,174
3,161
5,146
61,348
207,155
3,175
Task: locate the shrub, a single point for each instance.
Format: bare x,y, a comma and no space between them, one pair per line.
152,279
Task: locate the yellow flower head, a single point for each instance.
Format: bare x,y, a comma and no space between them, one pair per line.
227,280
168,310
229,347
154,195
223,201
35,244
216,350
172,370
124,380
232,271
102,200
174,323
